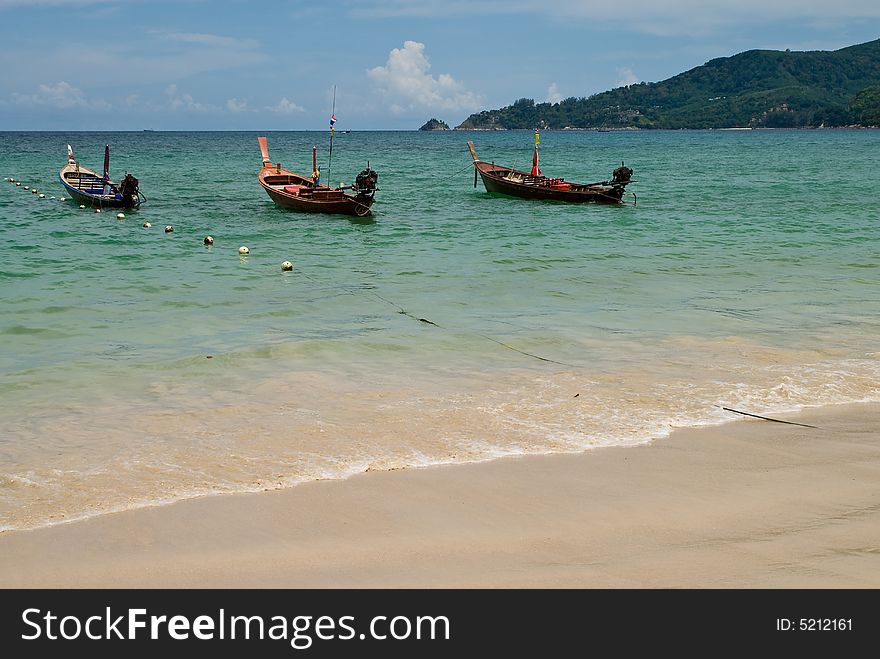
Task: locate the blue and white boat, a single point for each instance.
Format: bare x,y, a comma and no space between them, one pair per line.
87,187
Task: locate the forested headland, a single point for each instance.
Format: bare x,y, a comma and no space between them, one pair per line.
756,89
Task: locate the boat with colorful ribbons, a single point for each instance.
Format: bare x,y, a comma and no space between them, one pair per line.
534,185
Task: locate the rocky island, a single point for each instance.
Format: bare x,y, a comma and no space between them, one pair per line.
435,124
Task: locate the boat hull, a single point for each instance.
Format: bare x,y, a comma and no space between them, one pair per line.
497,183
291,191
515,183
98,201
83,185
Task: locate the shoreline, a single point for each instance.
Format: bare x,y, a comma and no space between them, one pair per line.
746,504
182,498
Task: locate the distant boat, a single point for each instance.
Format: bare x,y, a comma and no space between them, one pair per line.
149,130
534,185
87,187
291,190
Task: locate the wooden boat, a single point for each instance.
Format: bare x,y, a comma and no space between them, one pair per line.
533,185
291,190
87,187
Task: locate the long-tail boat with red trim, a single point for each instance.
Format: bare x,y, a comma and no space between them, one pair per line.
88,187
297,192
534,185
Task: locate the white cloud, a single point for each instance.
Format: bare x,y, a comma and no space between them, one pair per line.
407,85
553,95
61,95
212,40
234,105
627,77
415,8
8,4
182,101
671,17
700,18
162,58
285,106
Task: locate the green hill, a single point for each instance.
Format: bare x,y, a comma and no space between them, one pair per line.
758,88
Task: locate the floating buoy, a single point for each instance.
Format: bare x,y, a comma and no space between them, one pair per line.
243,250
82,205
169,229
97,210
18,184
120,216
51,197
147,225
11,180
286,266
26,188
42,196
209,240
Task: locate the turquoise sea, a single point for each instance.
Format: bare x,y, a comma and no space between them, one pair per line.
139,367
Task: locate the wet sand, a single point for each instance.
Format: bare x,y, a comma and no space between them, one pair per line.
750,504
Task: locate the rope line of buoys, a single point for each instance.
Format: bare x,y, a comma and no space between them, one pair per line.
32,189
208,241
287,266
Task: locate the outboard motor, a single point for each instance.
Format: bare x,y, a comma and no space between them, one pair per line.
365,183
621,175
129,189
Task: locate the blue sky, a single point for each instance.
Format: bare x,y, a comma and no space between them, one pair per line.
237,65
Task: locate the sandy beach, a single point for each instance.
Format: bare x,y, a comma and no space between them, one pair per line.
749,504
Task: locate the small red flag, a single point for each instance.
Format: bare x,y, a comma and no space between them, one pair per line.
535,170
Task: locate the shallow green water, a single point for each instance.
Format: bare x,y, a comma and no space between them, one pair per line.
747,275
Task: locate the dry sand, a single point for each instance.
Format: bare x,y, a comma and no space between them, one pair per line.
751,504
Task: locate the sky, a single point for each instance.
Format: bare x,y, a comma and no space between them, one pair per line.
243,65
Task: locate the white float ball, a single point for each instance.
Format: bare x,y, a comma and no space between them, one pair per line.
82,205
209,240
120,216
169,229
147,225
97,210
243,250
287,266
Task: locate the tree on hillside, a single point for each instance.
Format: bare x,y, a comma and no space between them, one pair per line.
866,106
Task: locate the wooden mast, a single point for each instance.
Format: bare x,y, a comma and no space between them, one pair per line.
332,121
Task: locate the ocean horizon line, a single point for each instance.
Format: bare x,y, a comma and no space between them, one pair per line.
451,130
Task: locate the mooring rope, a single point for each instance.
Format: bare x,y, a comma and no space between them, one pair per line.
455,173
426,321
404,312
766,418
